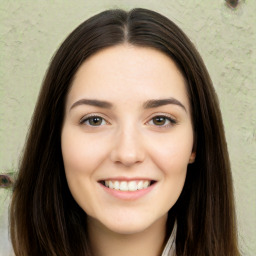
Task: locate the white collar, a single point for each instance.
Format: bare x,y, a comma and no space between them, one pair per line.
169,249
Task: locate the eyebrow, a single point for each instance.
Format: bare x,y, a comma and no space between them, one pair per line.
161,102
96,103
146,105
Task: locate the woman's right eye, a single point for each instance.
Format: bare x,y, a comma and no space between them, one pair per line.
93,121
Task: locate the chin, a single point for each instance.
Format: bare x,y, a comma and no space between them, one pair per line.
124,225
127,228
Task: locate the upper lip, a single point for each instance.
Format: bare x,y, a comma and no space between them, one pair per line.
127,179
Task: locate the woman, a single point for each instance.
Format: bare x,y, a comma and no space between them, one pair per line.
126,153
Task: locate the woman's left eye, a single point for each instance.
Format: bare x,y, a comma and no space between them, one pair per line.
162,121
93,121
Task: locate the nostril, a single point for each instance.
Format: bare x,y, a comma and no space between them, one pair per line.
128,150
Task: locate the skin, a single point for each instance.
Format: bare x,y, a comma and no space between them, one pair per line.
128,142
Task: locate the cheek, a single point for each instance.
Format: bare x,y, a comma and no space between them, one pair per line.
172,160
80,161
81,155
172,155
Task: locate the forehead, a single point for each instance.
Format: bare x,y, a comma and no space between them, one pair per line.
128,73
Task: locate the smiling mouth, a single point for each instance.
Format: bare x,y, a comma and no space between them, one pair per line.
127,185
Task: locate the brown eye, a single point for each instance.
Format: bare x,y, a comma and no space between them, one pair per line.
94,121
159,120
162,121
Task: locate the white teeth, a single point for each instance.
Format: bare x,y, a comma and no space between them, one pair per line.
132,185
116,185
111,184
140,185
145,184
123,186
127,186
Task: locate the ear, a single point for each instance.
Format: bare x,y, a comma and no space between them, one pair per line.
192,157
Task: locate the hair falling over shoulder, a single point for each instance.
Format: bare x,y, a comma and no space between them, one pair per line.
46,220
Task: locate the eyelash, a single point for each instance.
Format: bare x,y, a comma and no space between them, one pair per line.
171,120
168,118
88,117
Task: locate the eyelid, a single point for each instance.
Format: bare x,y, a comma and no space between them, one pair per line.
93,115
173,120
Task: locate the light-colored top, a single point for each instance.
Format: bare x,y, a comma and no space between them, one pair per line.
169,249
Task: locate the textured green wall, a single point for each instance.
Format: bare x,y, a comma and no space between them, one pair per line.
30,32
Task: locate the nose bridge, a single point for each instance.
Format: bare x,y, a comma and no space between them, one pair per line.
128,147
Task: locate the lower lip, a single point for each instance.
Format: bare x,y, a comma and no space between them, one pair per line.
128,195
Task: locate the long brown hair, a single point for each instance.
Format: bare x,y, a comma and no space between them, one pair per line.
46,220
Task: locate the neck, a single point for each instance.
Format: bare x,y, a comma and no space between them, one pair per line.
150,241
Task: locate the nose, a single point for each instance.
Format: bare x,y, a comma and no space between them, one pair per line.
128,148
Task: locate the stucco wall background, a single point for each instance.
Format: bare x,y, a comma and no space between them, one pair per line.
31,31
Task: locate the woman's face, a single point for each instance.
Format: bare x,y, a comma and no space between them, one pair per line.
127,137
